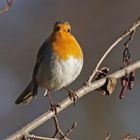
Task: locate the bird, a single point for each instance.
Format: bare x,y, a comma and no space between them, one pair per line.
59,62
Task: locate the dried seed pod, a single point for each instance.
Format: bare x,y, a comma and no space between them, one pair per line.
127,81
123,81
126,57
124,84
124,90
131,80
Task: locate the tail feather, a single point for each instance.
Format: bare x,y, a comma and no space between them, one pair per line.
28,94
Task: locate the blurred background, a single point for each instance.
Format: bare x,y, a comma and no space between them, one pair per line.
96,24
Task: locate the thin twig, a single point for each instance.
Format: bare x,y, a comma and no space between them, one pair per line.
67,102
128,137
71,129
8,5
33,137
107,136
126,33
130,38
58,130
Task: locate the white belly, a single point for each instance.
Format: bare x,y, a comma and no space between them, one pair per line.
55,74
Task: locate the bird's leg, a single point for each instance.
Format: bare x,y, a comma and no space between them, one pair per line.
55,118
54,107
72,95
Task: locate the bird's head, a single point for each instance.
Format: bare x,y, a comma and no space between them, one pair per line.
60,26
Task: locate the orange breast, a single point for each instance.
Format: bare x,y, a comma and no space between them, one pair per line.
65,46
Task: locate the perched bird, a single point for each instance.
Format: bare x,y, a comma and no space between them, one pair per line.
59,62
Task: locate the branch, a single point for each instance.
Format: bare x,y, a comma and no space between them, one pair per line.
85,89
33,137
126,33
7,6
127,137
107,136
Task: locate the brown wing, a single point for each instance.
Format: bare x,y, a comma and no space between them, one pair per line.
40,55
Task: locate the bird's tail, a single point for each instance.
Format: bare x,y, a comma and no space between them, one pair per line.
28,94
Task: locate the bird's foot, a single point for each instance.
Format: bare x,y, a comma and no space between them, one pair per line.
54,107
72,95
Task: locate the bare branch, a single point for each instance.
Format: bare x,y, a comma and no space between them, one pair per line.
66,102
127,137
71,129
107,136
58,130
131,31
7,6
33,137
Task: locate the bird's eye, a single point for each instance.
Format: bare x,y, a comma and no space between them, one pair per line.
68,31
57,28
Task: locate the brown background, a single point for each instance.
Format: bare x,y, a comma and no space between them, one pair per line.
96,24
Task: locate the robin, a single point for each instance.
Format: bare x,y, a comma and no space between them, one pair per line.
59,62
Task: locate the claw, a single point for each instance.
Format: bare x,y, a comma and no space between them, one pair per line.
54,108
73,97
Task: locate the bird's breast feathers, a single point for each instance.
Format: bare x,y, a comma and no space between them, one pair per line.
66,46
